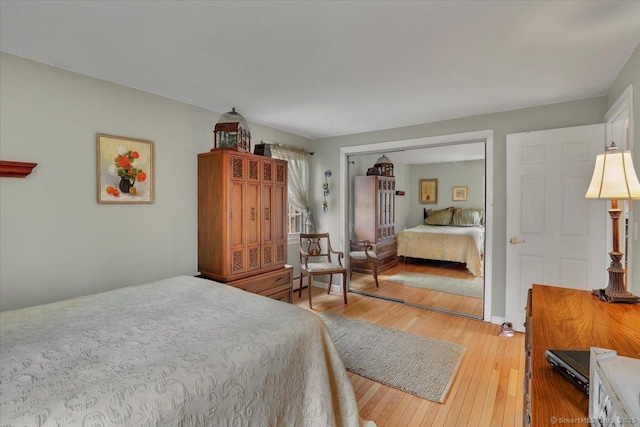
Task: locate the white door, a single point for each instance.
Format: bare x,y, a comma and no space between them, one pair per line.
555,236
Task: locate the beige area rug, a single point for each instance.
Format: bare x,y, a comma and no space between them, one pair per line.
422,366
473,287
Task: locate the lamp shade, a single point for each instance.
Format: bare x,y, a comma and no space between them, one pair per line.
614,177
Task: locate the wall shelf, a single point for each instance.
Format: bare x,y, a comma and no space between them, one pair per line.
10,169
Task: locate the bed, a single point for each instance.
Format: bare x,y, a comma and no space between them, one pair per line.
182,351
446,240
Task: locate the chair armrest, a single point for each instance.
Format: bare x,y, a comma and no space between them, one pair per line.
340,255
304,258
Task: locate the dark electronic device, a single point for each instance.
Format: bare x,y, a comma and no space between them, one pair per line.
573,364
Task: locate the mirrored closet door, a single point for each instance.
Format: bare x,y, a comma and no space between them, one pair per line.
423,219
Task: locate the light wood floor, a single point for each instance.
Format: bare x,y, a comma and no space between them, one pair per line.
487,390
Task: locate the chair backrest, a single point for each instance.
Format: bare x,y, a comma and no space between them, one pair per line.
316,245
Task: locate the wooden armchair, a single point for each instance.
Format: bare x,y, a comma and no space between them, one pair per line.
362,253
316,256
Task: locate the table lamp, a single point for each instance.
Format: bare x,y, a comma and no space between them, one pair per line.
614,178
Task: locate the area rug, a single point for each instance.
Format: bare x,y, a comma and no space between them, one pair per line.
422,366
473,287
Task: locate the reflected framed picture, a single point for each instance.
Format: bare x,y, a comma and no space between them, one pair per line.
460,193
125,170
428,191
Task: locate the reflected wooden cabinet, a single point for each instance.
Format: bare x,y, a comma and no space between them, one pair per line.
242,211
374,217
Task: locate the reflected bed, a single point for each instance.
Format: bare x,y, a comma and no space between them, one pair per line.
444,243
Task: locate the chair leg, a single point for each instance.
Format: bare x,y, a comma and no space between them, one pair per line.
374,268
309,286
300,288
344,287
330,280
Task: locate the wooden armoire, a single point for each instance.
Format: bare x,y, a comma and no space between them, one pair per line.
242,213
374,217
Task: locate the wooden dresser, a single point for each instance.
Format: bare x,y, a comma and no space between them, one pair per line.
242,213
561,318
374,217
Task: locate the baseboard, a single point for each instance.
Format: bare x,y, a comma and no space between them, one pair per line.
498,320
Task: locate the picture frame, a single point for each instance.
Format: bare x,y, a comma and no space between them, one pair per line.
428,191
125,170
460,193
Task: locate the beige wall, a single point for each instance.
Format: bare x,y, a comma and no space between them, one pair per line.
630,75
574,113
56,242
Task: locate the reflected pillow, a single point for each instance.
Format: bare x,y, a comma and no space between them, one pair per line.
441,217
467,217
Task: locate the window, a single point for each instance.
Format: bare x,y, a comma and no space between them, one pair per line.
294,221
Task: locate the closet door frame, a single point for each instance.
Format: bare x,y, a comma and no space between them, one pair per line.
485,136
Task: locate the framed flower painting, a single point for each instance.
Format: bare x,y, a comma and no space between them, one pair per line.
125,171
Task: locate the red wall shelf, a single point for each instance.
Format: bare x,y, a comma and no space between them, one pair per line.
15,169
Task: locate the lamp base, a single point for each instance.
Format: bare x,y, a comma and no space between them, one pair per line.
627,297
616,292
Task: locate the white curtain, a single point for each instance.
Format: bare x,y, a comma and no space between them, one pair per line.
298,180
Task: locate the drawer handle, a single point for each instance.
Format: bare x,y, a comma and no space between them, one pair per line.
253,214
279,279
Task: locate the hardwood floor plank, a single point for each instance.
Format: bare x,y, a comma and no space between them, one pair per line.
373,389
418,417
510,404
503,383
490,398
481,391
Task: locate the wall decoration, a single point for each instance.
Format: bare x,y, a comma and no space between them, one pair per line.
325,191
428,191
125,171
460,193
10,169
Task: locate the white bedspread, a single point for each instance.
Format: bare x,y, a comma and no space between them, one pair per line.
459,244
176,352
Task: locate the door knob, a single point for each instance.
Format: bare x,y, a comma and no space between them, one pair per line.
515,241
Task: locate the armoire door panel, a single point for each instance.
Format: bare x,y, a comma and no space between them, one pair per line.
267,171
253,173
253,213
238,168
280,211
238,258
268,255
281,174
237,214
281,252
267,213
253,259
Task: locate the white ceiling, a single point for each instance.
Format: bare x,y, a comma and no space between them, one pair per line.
320,69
